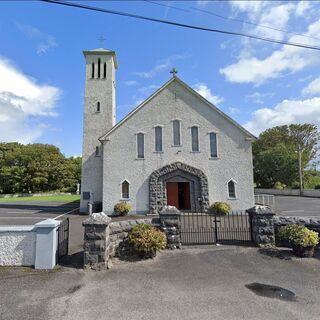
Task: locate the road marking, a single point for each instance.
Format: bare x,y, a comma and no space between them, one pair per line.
293,211
69,212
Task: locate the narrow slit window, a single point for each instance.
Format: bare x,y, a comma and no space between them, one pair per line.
195,139
158,138
176,133
125,190
213,145
232,189
99,65
104,70
92,70
97,151
98,106
140,145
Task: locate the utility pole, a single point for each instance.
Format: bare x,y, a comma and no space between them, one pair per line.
300,170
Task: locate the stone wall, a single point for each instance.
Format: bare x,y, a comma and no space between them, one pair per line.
119,233
312,223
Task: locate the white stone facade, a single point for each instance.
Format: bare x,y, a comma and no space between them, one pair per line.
175,101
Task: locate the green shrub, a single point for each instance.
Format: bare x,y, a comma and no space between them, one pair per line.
299,235
122,208
279,185
221,208
147,240
317,186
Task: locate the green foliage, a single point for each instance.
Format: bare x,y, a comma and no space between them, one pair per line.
299,235
37,168
122,208
317,186
221,208
311,180
276,157
278,185
146,239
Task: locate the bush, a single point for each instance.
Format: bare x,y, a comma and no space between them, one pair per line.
279,185
122,208
299,235
221,208
317,186
147,240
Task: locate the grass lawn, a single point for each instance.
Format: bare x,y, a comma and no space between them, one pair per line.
54,198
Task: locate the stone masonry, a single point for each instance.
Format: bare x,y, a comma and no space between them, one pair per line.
170,224
96,241
262,225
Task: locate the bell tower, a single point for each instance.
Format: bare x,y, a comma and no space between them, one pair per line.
99,117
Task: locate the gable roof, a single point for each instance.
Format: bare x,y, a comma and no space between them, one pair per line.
183,84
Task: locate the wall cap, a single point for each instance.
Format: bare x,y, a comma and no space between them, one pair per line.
98,218
48,223
169,210
260,210
15,228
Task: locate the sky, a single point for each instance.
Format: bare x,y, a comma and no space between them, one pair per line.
258,84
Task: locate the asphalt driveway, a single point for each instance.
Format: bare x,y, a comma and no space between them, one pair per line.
297,206
193,283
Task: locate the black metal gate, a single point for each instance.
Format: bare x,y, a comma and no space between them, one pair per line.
62,239
203,228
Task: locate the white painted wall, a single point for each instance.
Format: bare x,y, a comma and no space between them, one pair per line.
17,245
175,102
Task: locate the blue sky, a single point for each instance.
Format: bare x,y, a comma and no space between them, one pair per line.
259,84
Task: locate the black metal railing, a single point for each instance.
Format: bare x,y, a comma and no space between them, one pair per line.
62,239
204,228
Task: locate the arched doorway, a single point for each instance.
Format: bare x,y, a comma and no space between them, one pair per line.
180,185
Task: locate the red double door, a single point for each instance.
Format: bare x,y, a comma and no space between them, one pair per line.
178,195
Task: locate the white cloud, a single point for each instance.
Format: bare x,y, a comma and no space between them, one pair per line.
286,112
287,59
258,97
160,66
44,41
312,88
130,83
205,91
23,100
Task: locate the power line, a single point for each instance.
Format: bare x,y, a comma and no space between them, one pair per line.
177,24
229,18
251,23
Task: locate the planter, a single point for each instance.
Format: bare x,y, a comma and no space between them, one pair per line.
304,252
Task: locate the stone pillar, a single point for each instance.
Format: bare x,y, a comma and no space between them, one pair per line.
262,225
46,244
96,241
170,224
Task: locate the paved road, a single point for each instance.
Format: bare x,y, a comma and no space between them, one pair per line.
297,206
196,283
26,213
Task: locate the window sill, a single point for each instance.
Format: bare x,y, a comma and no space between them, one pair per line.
158,152
232,199
140,158
125,199
214,158
176,146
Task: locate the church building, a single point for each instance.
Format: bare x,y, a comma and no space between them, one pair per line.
175,148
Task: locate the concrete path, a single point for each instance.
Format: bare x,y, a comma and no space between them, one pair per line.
194,283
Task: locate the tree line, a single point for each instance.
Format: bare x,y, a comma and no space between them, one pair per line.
37,168
276,157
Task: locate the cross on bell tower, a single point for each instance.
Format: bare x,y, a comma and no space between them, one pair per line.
174,71
101,39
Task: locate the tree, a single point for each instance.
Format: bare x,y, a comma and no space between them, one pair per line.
276,153
37,168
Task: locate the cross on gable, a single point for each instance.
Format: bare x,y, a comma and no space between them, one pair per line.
174,71
101,39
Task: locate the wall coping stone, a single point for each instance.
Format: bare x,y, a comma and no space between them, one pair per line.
260,210
16,228
98,218
169,210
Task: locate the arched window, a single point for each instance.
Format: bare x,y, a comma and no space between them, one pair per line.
97,153
176,133
99,63
195,139
92,70
213,145
158,138
140,145
231,189
98,106
125,189
104,70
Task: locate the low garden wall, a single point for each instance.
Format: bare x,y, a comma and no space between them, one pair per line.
33,245
312,223
289,192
